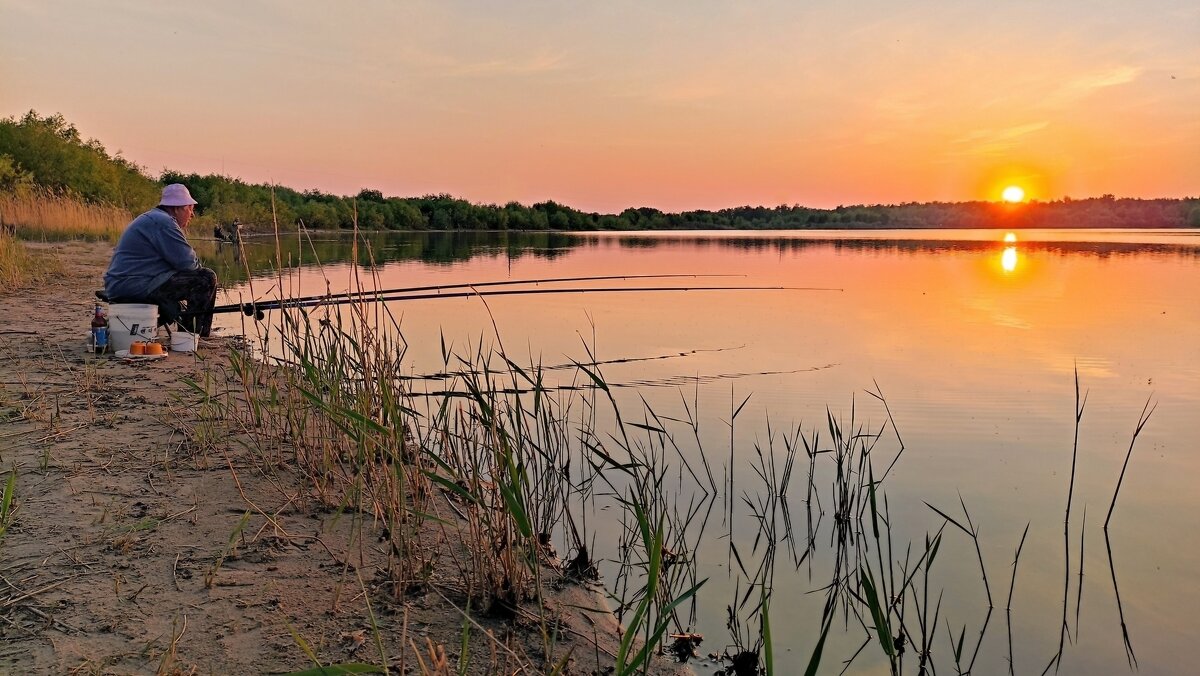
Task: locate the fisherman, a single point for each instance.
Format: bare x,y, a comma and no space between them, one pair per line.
153,263
218,233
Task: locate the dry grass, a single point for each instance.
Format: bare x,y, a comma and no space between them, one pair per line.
37,213
19,267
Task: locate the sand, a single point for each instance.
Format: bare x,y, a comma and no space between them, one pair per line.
147,537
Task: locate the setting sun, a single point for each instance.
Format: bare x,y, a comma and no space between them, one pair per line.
1013,194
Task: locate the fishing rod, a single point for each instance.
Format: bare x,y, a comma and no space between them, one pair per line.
407,289
257,311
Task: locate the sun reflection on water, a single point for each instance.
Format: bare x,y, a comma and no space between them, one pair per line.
1008,259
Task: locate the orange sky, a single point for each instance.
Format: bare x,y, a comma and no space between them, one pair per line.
675,105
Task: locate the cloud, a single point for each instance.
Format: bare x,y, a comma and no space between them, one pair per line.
539,63
1109,78
1089,83
903,107
685,92
994,141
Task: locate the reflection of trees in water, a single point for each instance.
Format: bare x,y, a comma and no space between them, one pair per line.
456,246
379,248
901,246
444,248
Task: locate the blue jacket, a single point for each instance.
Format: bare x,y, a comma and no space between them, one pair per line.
151,249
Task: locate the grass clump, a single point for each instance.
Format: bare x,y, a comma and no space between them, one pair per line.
19,267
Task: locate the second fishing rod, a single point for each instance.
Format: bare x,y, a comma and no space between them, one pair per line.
257,311
271,304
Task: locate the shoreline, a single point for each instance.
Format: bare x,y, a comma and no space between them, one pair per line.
148,536
852,228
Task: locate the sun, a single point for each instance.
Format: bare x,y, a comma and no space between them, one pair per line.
1013,194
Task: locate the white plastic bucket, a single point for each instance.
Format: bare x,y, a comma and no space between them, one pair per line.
182,341
128,322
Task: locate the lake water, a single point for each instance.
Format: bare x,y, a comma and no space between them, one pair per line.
974,342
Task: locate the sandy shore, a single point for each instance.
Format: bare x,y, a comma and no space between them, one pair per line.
148,538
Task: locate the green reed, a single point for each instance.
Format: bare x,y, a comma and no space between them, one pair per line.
502,461
498,445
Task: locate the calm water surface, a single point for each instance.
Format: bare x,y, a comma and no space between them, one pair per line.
973,341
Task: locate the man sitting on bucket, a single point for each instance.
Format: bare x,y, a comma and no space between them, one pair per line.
154,264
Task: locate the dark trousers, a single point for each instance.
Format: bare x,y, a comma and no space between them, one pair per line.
197,290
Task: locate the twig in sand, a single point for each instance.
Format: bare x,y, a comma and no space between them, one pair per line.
168,658
133,597
60,433
62,625
13,601
476,625
242,492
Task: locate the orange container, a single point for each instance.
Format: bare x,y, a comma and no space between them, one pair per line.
154,348
137,348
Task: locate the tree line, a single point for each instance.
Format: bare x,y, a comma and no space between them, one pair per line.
50,152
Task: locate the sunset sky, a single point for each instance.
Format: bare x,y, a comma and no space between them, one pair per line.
605,105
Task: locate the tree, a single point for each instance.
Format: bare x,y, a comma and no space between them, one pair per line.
11,175
52,153
367,195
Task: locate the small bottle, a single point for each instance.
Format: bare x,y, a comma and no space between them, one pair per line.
99,331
